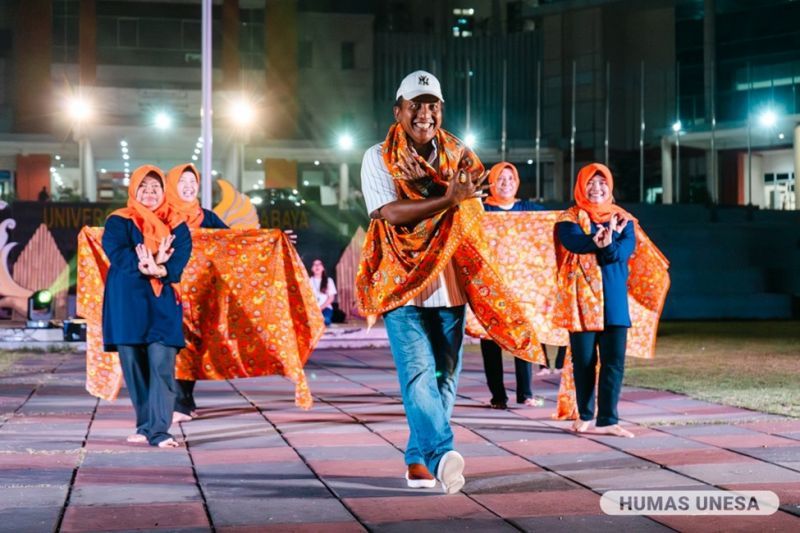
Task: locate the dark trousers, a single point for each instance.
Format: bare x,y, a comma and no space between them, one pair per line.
184,396
149,371
493,366
611,344
562,352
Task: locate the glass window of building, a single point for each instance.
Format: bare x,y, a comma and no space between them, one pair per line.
348,55
305,56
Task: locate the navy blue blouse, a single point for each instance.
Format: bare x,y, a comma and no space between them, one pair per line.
132,314
212,221
613,261
519,205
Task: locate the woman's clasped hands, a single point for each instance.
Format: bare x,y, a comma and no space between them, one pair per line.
151,265
603,236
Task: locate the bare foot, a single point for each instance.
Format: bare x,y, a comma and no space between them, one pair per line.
617,430
136,438
180,417
580,426
168,443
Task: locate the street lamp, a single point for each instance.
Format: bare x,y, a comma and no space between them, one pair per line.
768,118
80,112
470,140
345,141
241,112
79,109
676,127
162,120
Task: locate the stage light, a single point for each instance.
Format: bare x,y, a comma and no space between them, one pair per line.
677,126
40,309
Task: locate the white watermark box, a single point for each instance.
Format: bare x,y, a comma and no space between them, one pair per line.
690,502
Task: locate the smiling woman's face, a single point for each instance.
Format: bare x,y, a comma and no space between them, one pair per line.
597,190
187,186
150,193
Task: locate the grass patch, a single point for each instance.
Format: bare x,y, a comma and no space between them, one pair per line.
8,358
755,365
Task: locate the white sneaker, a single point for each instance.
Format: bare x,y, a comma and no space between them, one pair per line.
450,472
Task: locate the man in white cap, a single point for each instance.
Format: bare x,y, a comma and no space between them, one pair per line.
409,193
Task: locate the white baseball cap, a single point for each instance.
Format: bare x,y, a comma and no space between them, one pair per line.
418,83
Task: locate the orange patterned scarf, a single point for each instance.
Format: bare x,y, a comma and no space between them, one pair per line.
398,262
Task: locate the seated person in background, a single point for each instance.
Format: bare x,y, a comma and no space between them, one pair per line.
324,289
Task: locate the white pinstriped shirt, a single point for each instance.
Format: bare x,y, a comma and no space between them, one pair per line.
378,187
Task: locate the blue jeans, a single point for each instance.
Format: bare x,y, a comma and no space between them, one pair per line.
327,314
426,346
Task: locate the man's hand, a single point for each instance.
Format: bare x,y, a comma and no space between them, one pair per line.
412,168
463,186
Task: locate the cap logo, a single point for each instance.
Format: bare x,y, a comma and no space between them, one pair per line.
423,80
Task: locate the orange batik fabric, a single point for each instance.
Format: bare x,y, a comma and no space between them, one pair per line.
398,262
248,310
522,242
579,305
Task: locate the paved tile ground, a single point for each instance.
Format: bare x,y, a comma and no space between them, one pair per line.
254,462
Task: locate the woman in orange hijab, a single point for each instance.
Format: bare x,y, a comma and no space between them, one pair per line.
183,184
142,313
594,240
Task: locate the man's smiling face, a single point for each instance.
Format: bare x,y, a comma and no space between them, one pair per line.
420,118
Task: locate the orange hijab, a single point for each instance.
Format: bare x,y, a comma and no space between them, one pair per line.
148,222
179,209
598,213
494,173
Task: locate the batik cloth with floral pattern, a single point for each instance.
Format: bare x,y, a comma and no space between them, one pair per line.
248,310
398,262
579,303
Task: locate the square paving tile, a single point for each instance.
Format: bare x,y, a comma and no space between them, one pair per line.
29,519
141,516
739,472
410,508
590,524
133,494
277,510
544,503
